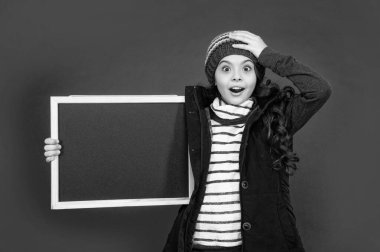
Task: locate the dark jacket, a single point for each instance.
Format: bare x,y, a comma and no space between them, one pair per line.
268,222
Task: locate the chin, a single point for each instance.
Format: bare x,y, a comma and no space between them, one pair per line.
236,101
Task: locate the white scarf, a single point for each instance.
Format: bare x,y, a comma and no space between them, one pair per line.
228,111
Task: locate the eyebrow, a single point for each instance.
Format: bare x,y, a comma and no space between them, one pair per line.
226,61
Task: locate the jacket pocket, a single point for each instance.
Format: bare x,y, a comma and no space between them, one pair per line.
266,233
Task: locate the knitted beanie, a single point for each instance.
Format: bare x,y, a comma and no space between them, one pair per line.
220,47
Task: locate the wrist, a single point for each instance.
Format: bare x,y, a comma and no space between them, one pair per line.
260,51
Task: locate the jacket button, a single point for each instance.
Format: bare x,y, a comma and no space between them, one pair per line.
247,226
244,184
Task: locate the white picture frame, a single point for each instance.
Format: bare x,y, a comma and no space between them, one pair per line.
57,204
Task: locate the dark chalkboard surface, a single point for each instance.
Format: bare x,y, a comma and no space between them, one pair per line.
120,151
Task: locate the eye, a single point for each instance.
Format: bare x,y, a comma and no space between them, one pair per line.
225,68
247,68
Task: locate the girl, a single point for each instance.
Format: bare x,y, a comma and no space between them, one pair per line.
240,134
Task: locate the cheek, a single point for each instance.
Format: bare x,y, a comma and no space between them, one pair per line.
252,83
219,78
221,82
220,88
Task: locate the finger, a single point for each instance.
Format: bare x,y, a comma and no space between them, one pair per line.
51,141
241,46
247,33
242,38
49,159
50,147
244,35
52,153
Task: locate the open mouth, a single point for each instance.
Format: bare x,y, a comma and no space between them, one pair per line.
236,90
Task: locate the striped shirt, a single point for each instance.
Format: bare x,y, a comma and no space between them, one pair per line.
219,219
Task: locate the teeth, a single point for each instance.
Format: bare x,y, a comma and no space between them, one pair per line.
236,89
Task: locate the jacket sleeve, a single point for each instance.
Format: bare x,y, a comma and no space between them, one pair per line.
314,90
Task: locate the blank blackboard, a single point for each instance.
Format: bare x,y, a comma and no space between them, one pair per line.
120,151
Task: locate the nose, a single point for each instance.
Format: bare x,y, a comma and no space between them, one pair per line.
236,76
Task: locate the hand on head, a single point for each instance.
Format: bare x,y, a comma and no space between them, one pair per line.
254,43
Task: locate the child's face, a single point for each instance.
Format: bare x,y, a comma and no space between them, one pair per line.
235,78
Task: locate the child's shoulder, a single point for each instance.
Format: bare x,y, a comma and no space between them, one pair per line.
272,92
201,94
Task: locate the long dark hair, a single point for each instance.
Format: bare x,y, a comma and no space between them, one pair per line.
276,124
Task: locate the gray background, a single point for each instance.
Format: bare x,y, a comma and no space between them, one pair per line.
157,47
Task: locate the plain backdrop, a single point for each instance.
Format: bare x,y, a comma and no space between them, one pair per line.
145,47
